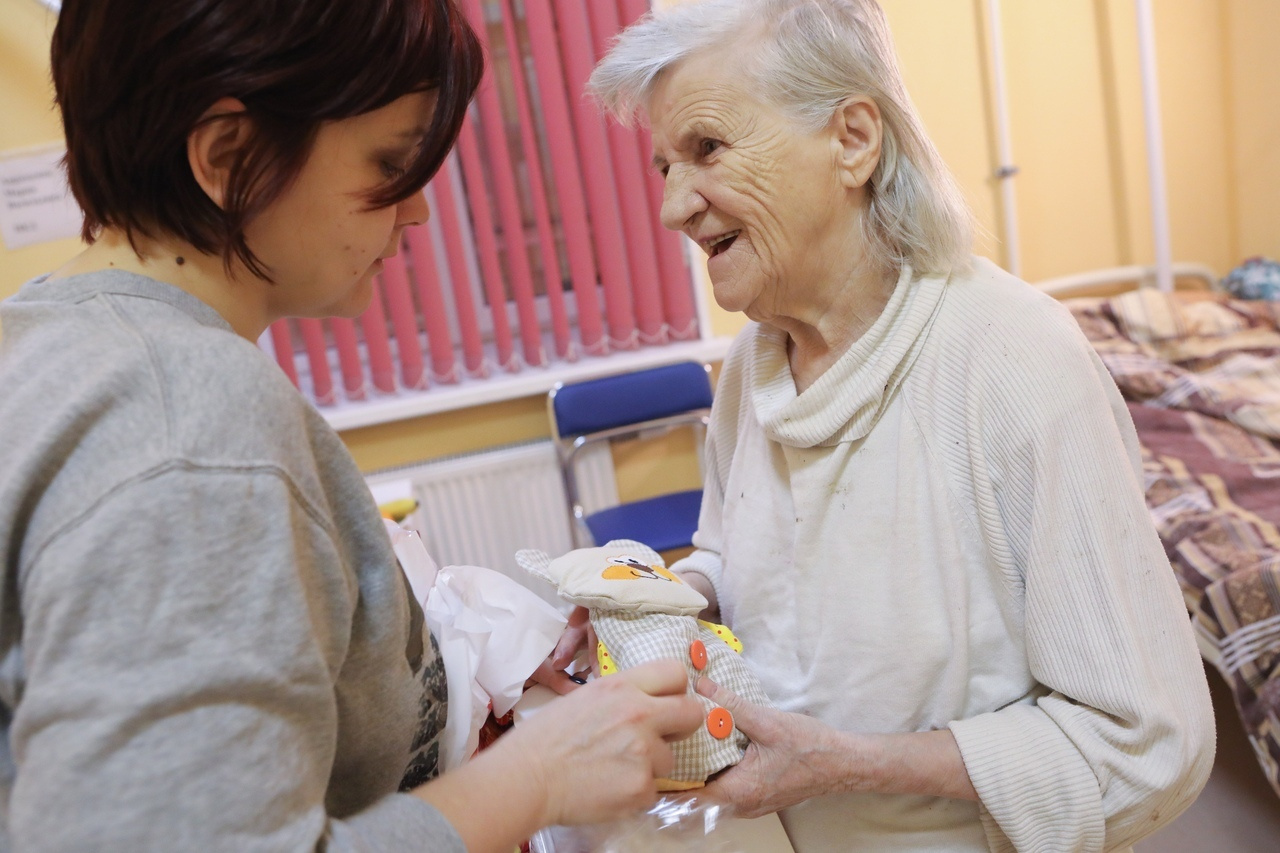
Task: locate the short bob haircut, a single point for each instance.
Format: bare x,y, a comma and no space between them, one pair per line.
133,78
810,57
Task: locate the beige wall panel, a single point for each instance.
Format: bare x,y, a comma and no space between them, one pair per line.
941,47
1190,45
1067,220
1253,86
26,103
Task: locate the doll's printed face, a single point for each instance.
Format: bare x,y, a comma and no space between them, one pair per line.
626,568
589,577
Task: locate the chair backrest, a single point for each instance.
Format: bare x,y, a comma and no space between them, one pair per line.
620,406
628,399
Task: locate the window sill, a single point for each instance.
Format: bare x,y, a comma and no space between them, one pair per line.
498,387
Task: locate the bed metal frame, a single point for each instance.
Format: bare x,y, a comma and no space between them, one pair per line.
1135,276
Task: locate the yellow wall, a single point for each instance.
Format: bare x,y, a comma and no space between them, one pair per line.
1074,100
28,119
1252,70
1075,106
1076,113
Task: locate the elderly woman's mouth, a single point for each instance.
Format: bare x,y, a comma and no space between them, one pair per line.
716,245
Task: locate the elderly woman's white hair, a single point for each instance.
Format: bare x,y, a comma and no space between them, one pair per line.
808,56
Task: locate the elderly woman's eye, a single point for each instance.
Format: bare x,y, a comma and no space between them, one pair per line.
709,146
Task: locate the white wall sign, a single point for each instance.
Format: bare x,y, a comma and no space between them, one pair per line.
35,203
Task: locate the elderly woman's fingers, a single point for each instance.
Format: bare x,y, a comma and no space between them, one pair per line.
739,788
577,635
706,687
558,680
592,643
790,758
761,783
748,718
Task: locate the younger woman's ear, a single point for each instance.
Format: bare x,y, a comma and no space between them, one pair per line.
215,144
857,134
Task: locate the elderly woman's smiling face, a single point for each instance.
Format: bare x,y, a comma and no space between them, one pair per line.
775,207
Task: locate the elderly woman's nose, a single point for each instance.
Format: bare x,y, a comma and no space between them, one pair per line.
681,200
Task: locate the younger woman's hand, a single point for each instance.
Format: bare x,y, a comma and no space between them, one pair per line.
596,752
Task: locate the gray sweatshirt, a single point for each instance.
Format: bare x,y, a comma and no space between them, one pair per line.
205,642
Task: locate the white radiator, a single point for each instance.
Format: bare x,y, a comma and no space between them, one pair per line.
478,509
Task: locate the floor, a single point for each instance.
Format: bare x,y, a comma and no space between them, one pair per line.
1237,812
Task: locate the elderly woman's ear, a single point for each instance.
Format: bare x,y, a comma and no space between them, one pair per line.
856,133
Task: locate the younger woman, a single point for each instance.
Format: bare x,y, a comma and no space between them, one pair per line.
205,641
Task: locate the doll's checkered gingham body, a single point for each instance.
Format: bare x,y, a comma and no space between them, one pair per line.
636,638
641,612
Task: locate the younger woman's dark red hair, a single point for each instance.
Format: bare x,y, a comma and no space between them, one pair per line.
134,77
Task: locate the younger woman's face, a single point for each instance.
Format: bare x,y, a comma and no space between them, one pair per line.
319,241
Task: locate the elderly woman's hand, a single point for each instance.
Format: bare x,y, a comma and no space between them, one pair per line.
578,637
792,757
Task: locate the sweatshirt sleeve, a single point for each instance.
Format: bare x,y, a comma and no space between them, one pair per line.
1121,739
181,641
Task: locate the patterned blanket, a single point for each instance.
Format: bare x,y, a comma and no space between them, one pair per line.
1202,377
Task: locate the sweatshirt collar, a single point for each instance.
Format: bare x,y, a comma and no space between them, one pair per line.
79,288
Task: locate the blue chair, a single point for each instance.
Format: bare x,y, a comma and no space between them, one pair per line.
640,404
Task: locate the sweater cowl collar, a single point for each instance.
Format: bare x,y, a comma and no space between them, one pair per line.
846,401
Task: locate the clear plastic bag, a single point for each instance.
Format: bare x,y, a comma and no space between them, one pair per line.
673,825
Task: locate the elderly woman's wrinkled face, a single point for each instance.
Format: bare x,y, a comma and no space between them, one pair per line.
762,197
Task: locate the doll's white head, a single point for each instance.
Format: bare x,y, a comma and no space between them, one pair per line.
621,575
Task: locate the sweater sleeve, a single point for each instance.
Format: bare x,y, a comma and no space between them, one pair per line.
181,642
707,559
1120,739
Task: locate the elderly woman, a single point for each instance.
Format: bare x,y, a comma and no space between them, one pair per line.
924,513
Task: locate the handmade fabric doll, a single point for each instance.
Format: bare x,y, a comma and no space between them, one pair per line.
642,612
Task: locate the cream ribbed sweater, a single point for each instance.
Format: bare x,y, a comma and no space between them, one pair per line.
948,529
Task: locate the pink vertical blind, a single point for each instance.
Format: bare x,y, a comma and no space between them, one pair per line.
677,297
544,244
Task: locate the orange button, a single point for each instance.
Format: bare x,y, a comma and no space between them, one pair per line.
720,723
698,654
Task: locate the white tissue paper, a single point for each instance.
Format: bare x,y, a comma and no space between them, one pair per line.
492,633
